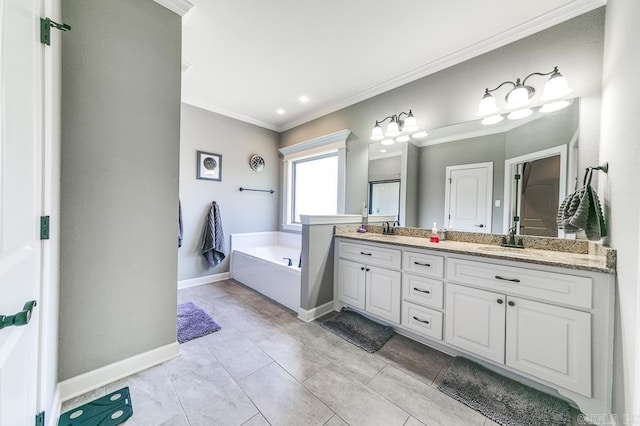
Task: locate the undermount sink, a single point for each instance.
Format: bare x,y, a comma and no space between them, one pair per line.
509,251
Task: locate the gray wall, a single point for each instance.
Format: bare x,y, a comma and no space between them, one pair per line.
317,266
120,147
385,168
435,159
452,95
236,141
619,188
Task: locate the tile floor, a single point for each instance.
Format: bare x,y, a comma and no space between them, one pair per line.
265,367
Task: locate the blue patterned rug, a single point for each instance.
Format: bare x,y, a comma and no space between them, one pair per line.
193,322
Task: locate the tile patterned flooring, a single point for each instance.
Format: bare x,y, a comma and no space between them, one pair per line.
266,367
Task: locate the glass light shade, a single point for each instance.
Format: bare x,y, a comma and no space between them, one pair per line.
554,106
521,113
487,105
410,124
376,133
387,142
556,87
518,97
420,135
392,129
403,138
492,119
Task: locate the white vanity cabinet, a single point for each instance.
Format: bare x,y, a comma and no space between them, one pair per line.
364,284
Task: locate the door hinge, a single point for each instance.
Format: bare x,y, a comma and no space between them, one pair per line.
40,419
45,29
44,227
449,180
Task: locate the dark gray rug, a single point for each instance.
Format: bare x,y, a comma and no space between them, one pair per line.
193,322
359,330
503,400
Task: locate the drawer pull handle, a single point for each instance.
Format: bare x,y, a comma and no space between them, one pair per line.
513,280
500,301
362,268
365,254
512,303
418,319
428,265
368,269
422,291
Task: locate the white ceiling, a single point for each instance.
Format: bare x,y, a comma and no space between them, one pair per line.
250,58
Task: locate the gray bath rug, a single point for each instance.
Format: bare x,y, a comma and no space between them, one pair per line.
193,322
503,400
358,330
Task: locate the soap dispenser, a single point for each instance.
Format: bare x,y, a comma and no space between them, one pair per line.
434,234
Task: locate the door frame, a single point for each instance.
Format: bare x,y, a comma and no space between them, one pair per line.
508,180
447,191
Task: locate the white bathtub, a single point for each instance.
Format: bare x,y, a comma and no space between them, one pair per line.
257,262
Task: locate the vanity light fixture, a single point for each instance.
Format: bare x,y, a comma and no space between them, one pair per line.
519,97
398,128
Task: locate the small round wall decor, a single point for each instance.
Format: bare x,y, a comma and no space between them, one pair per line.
256,163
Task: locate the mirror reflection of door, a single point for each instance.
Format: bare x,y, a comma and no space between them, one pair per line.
539,195
468,196
384,197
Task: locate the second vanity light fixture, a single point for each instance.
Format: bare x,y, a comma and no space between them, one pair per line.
398,130
520,96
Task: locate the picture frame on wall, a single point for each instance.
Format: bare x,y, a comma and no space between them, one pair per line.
209,166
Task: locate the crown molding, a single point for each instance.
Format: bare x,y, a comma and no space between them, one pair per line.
218,110
531,27
181,7
335,140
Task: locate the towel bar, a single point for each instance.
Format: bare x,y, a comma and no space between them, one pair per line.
270,191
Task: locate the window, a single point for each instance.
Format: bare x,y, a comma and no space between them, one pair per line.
315,186
313,178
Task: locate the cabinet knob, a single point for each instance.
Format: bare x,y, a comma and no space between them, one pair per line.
512,303
500,301
362,268
368,269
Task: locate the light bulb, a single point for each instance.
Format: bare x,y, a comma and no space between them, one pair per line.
410,124
487,105
387,142
521,113
392,129
492,119
518,97
376,132
556,87
403,138
419,135
554,106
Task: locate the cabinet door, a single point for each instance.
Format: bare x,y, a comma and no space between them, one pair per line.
351,285
383,293
550,342
475,321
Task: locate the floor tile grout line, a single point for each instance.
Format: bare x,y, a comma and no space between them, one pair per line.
175,391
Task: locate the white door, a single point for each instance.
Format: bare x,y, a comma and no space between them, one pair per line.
383,293
550,342
475,321
20,192
468,197
351,283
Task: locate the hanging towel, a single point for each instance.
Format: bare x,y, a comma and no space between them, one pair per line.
212,247
581,210
180,227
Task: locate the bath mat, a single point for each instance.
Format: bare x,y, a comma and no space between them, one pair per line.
358,330
501,399
193,322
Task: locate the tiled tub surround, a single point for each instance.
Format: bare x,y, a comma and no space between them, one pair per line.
540,316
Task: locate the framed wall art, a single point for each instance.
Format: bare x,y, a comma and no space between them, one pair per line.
209,166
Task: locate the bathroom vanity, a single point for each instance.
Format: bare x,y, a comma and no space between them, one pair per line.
542,317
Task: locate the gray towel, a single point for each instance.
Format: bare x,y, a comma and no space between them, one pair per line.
582,210
180,227
212,247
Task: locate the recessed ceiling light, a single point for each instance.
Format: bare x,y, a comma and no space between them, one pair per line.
419,135
387,141
304,99
280,111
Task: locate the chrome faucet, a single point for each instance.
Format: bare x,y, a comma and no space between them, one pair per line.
387,229
512,240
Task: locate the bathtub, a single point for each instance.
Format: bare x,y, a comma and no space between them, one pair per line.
257,262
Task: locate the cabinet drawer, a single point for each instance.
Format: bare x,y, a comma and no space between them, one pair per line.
423,264
421,290
424,321
370,255
548,286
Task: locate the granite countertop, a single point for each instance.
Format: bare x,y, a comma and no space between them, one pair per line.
593,260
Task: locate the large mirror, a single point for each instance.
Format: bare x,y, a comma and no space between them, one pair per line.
477,178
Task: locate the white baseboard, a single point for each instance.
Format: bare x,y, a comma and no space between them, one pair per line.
53,414
310,315
208,279
83,383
